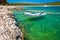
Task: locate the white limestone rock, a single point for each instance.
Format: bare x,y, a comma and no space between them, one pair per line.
8,29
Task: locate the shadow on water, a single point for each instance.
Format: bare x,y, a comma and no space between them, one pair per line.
36,18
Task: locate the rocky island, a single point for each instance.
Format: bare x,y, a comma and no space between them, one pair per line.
8,29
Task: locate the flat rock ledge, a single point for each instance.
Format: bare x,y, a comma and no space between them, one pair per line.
8,29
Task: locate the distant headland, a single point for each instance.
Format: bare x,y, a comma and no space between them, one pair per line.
4,2
50,3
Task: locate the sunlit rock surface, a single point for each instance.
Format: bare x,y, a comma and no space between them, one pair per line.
8,29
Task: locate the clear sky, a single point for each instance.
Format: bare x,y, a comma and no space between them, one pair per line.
32,1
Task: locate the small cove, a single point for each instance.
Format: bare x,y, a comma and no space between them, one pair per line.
41,28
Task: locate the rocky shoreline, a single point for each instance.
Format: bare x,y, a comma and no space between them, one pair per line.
8,29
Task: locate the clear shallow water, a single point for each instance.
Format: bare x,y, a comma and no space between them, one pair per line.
41,28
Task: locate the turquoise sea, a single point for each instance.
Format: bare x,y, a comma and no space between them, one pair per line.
39,28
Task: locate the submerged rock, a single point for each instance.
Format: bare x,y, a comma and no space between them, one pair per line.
8,29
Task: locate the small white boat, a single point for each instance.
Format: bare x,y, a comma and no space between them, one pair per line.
35,15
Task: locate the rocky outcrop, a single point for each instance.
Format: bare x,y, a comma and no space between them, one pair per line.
8,29
11,7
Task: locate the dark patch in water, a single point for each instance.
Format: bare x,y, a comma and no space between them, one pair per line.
25,38
56,25
36,18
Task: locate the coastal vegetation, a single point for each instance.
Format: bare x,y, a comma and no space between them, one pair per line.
4,2
53,3
50,3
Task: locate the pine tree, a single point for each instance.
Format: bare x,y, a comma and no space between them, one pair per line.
3,1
